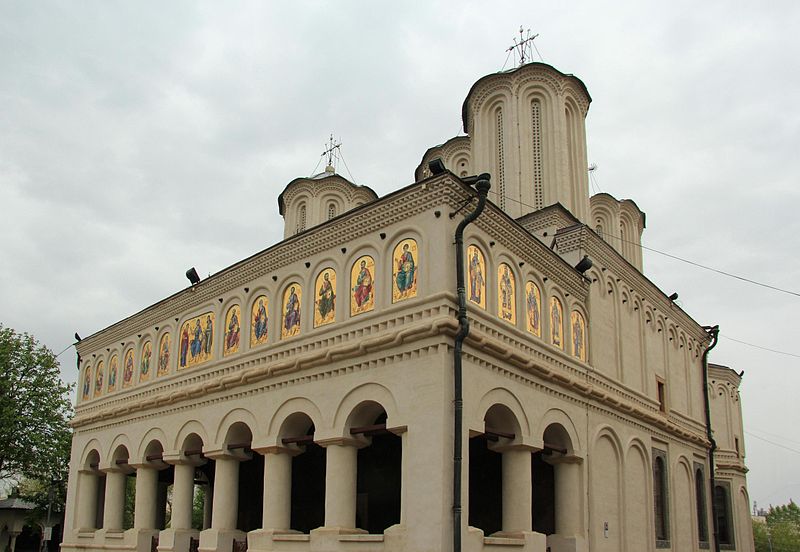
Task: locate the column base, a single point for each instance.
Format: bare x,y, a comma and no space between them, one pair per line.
176,540
524,541
264,539
219,540
140,540
559,543
325,539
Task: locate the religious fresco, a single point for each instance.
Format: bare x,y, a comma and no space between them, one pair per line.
325,302
127,369
556,323
113,368
362,284
258,321
87,382
404,270
290,321
163,355
533,309
196,340
506,294
578,325
476,274
232,330
98,379
144,364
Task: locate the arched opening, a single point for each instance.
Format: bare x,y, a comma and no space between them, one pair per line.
191,494
491,469
154,481
660,497
119,493
700,498
91,494
249,484
722,505
307,510
378,469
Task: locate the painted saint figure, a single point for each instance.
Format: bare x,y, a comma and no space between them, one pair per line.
208,337
506,285
185,345
405,271
112,375
532,302
197,341
476,278
163,356
555,323
98,381
326,302
232,331
260,322
127,371
87,382
578,336
363,288
147,352
291,318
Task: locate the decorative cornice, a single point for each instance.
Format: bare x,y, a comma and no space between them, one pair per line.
582,237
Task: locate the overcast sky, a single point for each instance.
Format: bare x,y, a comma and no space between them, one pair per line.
138,139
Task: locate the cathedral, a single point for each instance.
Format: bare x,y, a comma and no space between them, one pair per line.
473,362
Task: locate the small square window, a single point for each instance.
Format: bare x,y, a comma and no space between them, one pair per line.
661,387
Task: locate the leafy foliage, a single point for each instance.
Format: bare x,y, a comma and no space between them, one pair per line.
781,532
34,410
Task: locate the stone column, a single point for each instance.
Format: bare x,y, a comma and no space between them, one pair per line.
208,502
340,485
161,504
567,472
86,503
114,505
517,489
182,496
225,510
12,542
146,497
277,488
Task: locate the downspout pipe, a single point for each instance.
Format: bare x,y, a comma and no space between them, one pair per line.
713,332
482,185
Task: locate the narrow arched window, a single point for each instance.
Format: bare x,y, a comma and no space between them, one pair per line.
301,218
660,498
500,158
331,211
722,507
700,498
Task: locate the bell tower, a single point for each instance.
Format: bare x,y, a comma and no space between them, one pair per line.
527,129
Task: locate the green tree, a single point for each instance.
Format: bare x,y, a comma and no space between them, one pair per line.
781,532
34,410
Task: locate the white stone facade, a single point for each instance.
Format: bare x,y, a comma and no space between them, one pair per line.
338,434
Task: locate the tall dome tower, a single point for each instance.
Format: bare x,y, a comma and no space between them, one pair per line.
527,129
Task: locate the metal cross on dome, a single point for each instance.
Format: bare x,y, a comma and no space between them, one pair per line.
524,47
332,151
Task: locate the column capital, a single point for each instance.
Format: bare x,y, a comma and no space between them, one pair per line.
291,450
116,468
178,458
342,441
226,454
565,459
150,465
512,447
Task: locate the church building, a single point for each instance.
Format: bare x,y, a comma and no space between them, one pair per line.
473,362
